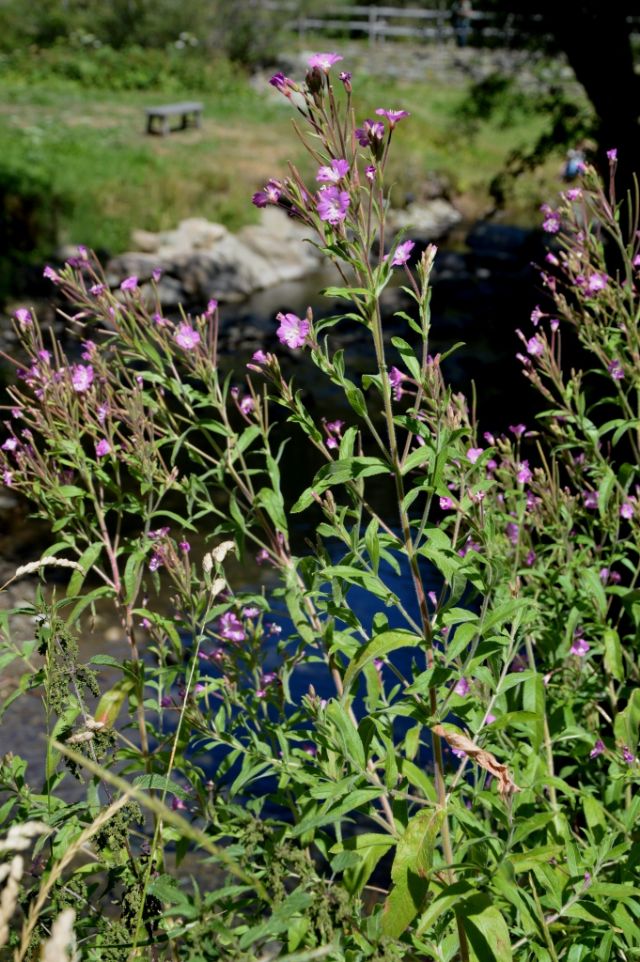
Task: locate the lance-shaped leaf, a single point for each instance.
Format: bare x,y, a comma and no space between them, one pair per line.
379,646
109,706
410,871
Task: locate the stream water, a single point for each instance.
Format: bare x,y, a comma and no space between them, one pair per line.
484,287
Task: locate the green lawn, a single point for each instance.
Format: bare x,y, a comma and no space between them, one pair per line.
89,147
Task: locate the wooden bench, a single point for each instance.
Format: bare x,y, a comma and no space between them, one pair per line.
190,111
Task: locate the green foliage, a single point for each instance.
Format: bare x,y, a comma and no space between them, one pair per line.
469,788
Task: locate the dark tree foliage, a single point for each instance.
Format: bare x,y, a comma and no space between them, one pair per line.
595,35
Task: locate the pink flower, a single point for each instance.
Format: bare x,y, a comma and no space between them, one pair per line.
530,559
333,173
628,755
523,472
574,193
370,134
129,283
333,205
488,719
402,253
187,337
103,448
231,627
247,405
212,307
446,504
393,116
250,611
10,444
88,350
462,687
535,347
293,330
97,290
597,749
536,314
7,478
518,429
160,321
262,556
324,61
615,370
23,317
590,499
579,647
259,357
51,275
612,155
156,561
156,274
513,532
627,510
596,283
370,174
283,84
474,453
185,547
551,222
81,377
270,194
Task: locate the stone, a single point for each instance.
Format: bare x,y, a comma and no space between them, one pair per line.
425,221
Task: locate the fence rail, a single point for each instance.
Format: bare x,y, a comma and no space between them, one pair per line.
379,23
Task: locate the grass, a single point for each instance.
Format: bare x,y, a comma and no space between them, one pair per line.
89,146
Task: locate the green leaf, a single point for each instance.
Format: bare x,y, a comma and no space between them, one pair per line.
339,472
86,561
352,747
410,871
533,701
613,654
627,723
108,708
485,929
160,783
379,646
370,848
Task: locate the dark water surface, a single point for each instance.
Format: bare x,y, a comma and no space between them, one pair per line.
483,289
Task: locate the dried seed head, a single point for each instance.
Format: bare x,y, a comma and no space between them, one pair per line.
61,945
220,552
19,836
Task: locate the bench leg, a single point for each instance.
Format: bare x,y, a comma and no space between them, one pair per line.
165,126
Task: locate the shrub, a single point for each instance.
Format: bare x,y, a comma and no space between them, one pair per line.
472,797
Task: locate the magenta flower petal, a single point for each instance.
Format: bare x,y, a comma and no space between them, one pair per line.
187,337
324,61
293,330
333,205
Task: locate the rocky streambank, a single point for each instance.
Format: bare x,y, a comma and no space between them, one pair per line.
200,259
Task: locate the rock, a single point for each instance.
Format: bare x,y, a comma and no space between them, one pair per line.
201,260
425,221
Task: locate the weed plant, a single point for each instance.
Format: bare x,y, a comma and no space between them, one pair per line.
468,789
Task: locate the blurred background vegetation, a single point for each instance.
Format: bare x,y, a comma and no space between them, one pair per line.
77,167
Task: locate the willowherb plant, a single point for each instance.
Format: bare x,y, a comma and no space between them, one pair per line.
458,780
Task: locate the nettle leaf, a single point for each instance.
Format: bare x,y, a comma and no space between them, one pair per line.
410,871
485,929
339,472
380,646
